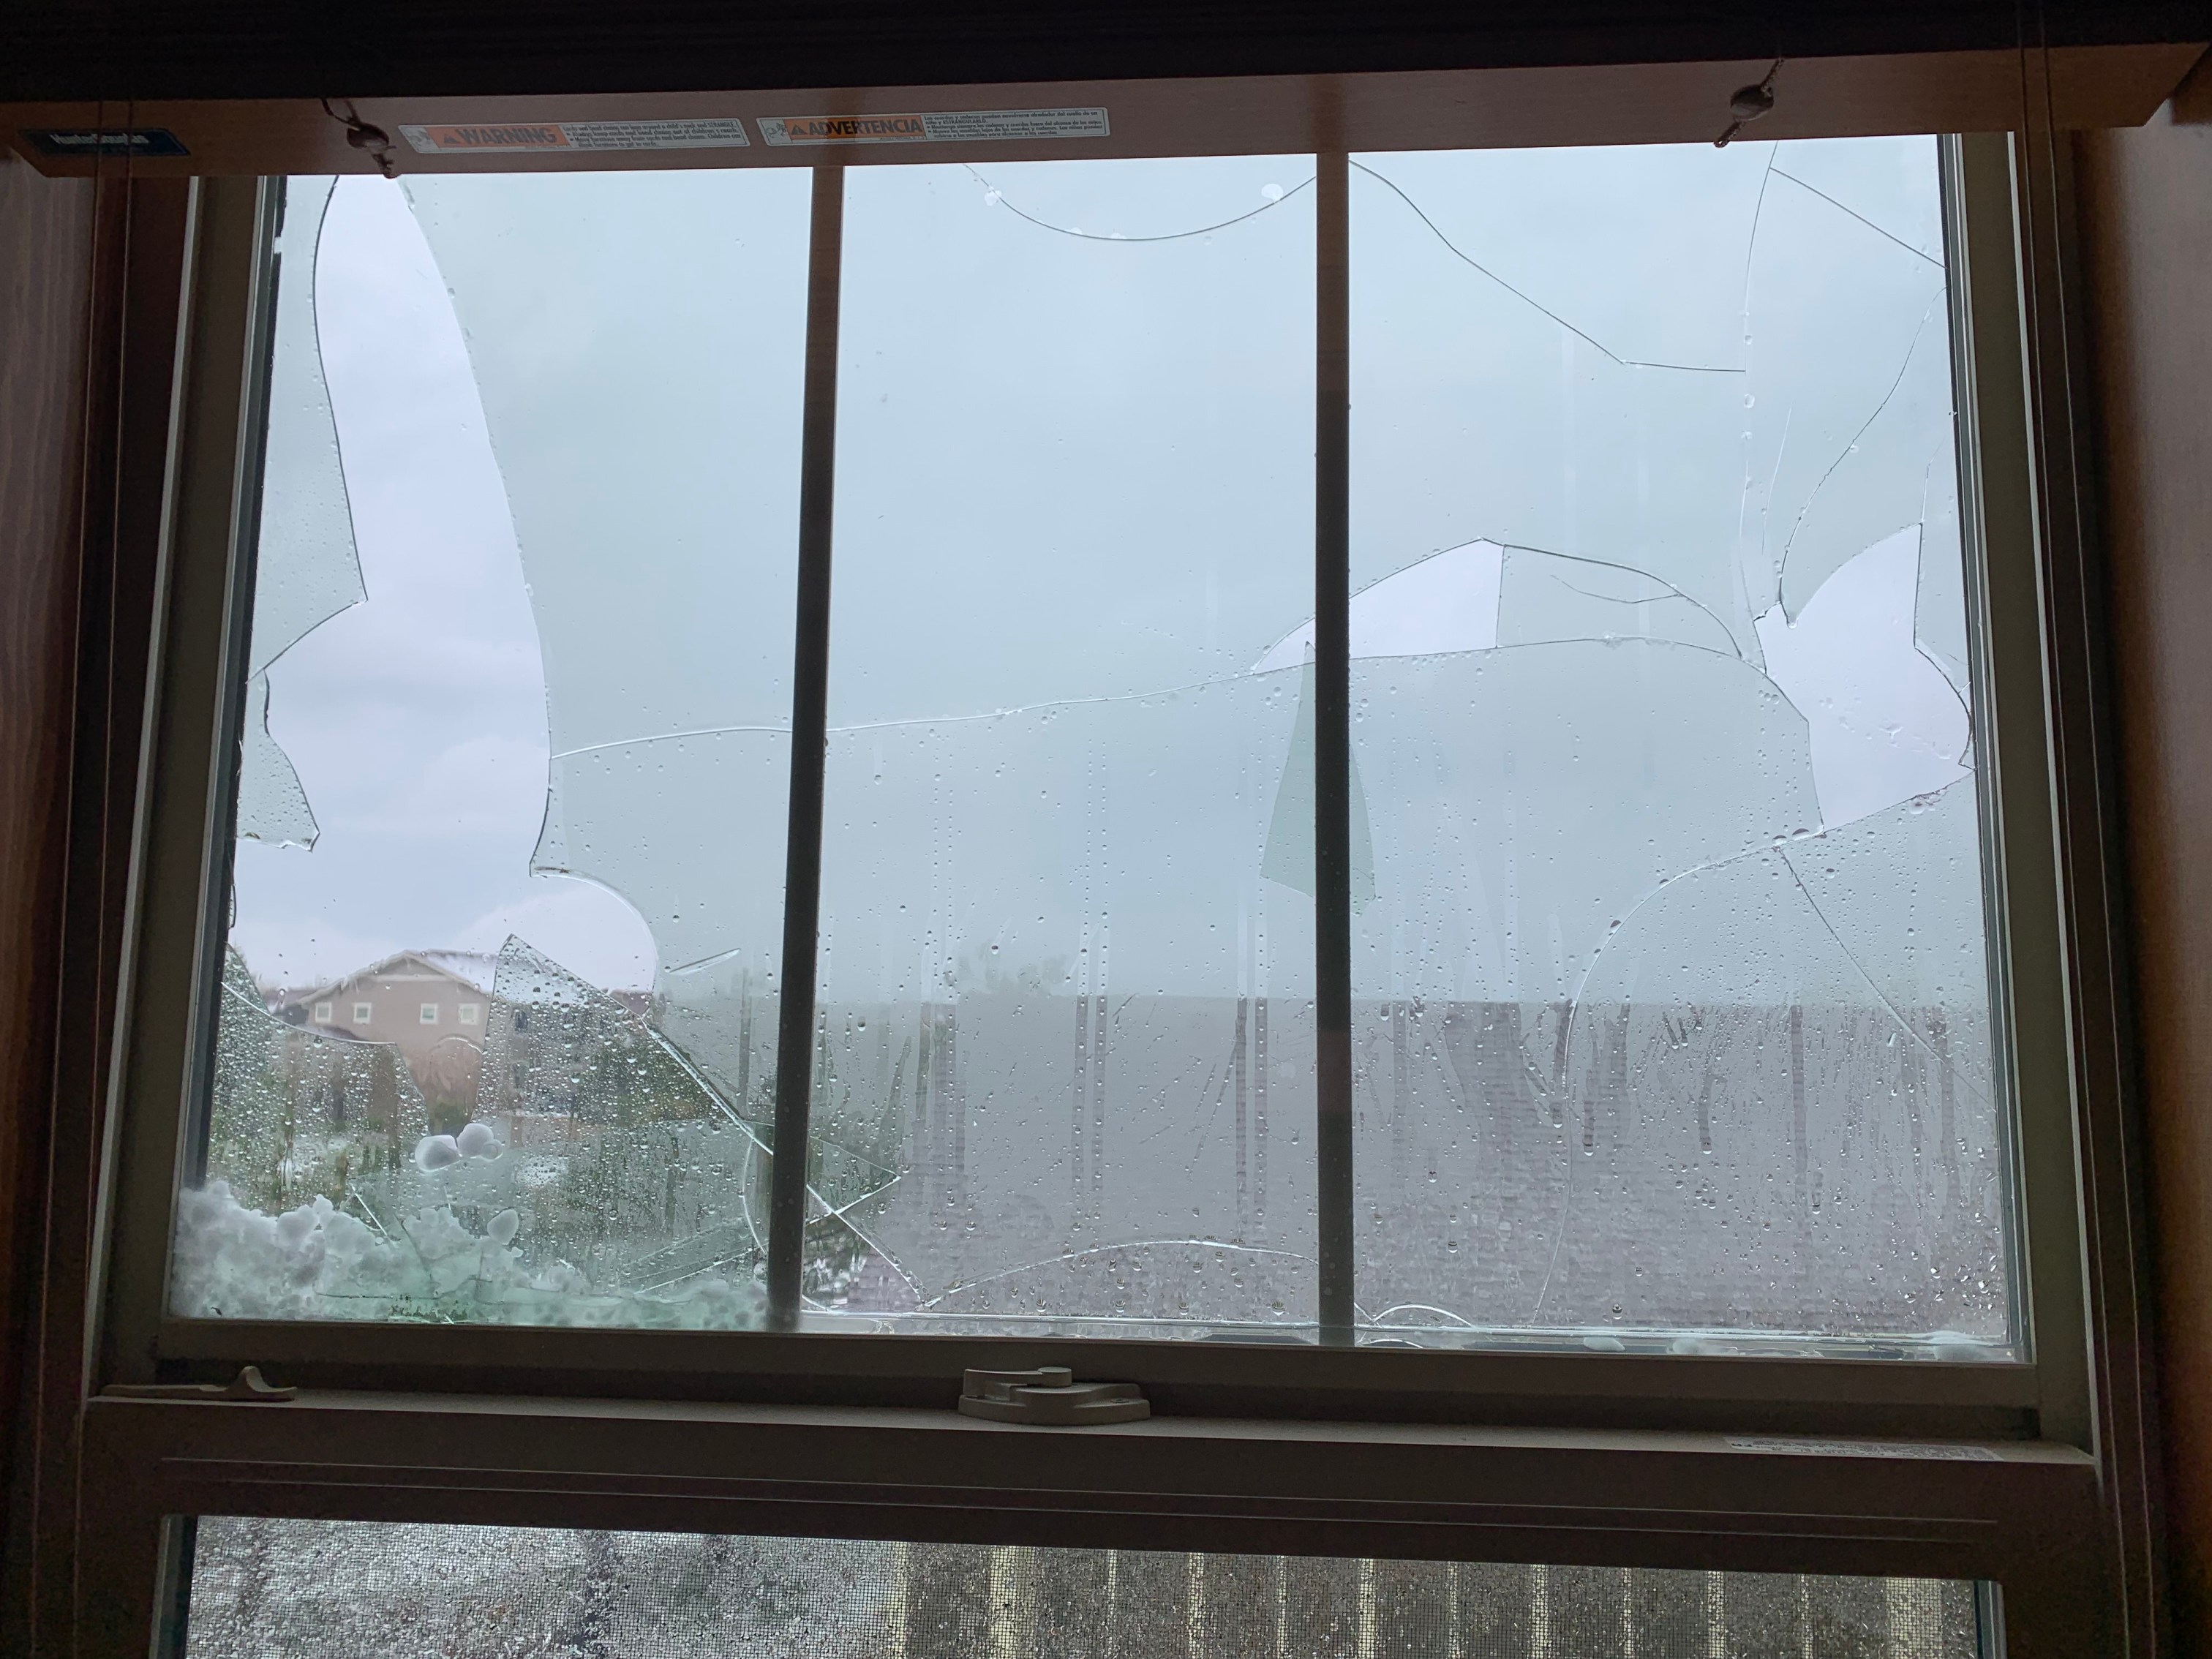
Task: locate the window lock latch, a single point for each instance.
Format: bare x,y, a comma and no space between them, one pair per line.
1051,1395
249,1385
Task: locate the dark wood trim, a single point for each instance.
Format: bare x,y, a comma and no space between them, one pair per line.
1609,103
266,48
1637,1500
47,230
102,629
2093,918
2147,230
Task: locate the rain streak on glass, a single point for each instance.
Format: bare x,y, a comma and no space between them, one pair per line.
1671,1003
1064,999
344,1590
498,1011
1671,1021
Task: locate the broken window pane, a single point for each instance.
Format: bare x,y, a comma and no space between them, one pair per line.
1672,1018
338,1589
1064,1070
496,1020
1672,1011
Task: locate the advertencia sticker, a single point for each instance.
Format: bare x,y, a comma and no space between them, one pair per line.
554,138
945,127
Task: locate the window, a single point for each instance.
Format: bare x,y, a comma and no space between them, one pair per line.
322,1013
1669,1013
1404,796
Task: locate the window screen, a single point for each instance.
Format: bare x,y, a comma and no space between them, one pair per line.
338,1589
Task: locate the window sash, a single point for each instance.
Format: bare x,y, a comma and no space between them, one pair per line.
186,817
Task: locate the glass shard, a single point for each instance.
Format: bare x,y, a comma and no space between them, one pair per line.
1671,1011
547,756
1067,962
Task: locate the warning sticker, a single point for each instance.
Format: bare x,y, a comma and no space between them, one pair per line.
946,127
539,137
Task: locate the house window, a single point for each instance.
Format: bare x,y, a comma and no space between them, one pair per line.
472,1013
360,1013
322,1013
1483,972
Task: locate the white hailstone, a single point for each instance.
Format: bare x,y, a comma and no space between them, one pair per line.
436,1152
503,1227
294,1227
477,1140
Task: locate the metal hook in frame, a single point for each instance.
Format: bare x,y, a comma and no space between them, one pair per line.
365,135
1747,104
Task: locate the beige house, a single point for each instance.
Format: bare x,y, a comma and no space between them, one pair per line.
436,1006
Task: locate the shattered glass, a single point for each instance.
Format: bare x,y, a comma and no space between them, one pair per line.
525,571
339,1589
306,568
1066,980
1671,1004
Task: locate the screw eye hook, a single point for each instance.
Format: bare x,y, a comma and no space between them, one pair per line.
366,136
1747,104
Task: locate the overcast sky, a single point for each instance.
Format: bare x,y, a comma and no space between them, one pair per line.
1075,477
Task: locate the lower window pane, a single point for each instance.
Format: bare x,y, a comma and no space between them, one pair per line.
339,1588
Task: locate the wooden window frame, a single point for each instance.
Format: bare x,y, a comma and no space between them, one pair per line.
2029,1476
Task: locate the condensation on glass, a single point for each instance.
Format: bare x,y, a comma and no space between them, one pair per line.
498,1009
1671,1022
1066,970
339,1589
1671,997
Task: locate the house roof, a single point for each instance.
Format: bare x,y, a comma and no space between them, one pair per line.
470,968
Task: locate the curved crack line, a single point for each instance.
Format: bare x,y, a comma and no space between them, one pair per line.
1780,844
757,1147
1616,598
875,1247
1917,253
1566,1209
1754,605
1528,300
313,258
1958,695
1188,687
1047,704
1851,448
1646,642
1851,957
1000,199
1461,1320
1751,242
1630,570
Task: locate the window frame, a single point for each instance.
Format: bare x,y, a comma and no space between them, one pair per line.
1999,1398
1561,1431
